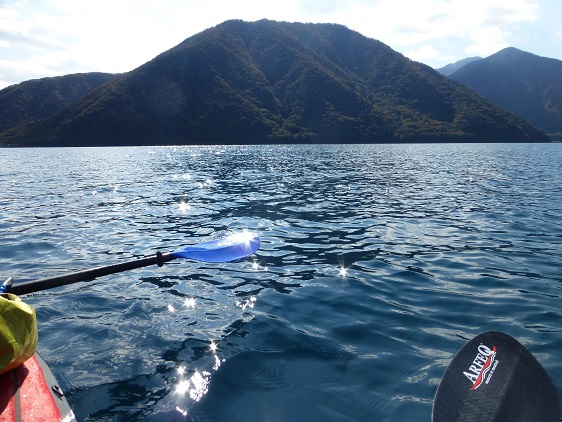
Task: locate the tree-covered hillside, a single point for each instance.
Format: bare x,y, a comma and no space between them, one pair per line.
275,82
527,85
40,98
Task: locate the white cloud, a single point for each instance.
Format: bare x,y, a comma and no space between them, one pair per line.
423,54
450,27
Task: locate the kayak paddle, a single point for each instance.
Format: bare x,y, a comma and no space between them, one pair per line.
225,249
494,378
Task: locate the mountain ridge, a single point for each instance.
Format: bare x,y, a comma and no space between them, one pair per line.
523,83
276,82
453,67
39,98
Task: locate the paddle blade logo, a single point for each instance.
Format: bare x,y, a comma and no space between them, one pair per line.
483,366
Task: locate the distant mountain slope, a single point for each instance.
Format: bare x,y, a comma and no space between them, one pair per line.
453,67
39,98
275,82
522,83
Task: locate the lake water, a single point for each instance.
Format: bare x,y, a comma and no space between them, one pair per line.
438,242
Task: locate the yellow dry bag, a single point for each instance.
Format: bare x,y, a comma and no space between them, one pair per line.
18,332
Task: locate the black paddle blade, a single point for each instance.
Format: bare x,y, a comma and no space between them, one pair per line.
494,378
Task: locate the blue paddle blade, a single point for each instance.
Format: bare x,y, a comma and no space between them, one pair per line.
230,248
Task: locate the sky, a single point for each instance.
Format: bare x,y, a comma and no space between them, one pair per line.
42,38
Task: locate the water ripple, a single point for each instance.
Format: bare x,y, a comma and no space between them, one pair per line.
377,264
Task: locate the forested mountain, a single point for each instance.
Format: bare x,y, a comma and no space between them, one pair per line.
527,85
276,82
40,98
453,67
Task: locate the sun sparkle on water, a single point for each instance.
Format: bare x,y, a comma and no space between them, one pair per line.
184,206
183,387
197,386
217,363
183,412
248,303
200,381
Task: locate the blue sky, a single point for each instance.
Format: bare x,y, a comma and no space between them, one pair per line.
40,38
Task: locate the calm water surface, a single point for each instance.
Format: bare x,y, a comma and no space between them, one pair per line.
438,243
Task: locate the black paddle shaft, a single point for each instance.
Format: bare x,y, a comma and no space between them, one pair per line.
86,275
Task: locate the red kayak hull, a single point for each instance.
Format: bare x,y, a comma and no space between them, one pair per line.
30,393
